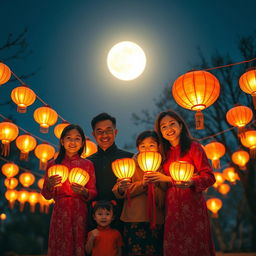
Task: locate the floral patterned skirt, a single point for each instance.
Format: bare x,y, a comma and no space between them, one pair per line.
140,239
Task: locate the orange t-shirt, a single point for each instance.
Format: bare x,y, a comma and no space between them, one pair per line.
107,242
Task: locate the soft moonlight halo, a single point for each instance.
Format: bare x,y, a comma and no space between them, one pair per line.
126,60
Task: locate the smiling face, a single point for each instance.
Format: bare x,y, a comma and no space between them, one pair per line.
103,217
104,133
148,144
170,129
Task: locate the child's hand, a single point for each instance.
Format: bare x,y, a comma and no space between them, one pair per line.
53,181
123,185
156,177
94,233
79,189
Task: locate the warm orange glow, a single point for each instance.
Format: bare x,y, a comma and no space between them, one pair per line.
3,216
219,179
11,196
46,117
149,161
27,179
247,84
44,152
123,168
23,196
90,149
59,128
196,90
11,183
214,151
224,189
33,198
240,158
79,176
8,132
44,204
60,170
40,183
230,175
214,205
249,141
181,171
5,73
10,169
25,143
23,97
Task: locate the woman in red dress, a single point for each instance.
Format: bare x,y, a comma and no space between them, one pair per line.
68,227
187,227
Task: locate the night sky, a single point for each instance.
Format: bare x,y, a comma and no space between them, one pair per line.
70,41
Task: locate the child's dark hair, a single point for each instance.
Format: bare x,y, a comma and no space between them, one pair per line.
102,204
62,150
146,134
102,117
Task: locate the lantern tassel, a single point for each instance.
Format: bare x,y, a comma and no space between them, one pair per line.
216,163
24,156
253,152
22,206
254,101
32,208
199,117
242,167
42,165
5,149
241,132
151,206
11,204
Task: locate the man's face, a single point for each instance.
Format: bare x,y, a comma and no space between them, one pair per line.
104,134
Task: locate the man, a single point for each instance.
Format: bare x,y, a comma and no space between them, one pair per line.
104,132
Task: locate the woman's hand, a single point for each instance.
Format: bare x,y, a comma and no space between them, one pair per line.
79,189
53,181
157,177
123,185
185,184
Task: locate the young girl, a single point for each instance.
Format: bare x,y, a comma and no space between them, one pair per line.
187,227
69,218
139,238
104,240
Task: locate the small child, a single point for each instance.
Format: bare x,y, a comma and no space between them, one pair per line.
104,240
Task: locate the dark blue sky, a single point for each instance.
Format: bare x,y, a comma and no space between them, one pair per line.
71,39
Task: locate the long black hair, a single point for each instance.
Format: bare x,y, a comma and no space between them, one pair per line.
62,150
185,136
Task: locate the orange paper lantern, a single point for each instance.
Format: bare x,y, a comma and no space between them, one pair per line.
123,168
11,183
59,169
240,158
219,179
214,151
230,175
214,205
46,117
10,169
247,83
196,90
25,143
249,141
33,198
149,161
27,179
40,183
59,128
8,133
89,149
5,73
23,97
44,152
224,188
79,176
181,171
11,195
23,196
3,216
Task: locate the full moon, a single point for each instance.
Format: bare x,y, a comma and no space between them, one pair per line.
126,60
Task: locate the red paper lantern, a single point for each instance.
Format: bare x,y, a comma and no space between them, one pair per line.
25,143
10,169
214,151
214,205
27,179
5,73
249,141
44,152
240,158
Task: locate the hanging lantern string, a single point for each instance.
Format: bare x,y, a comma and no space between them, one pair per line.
229,65
25,131
22,169
22,82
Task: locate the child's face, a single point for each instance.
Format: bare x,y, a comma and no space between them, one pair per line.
148,144
72,142
103,217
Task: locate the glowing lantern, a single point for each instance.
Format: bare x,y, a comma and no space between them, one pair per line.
23,97
25,143
11,183
230,175
79,176
27,179
224,189
44,204
196,90
44,152
219,179
214,205
5,73
89,149
59,128
46,117
33,198
23,196
249,141
239,117
11,196
8,133
240,158
214,151
10,169
3,216
60,170
181,171
40,183
123,168
149,161
247,84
